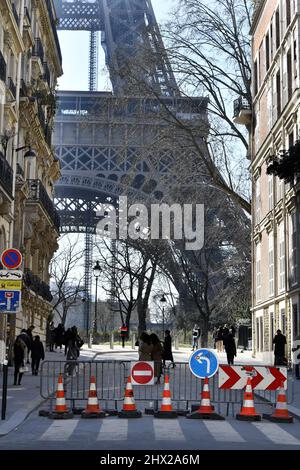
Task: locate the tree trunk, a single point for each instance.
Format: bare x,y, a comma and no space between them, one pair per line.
204,333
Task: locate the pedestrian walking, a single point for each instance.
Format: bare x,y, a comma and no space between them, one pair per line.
123,334
37,354
19,356
73,350
145,347
219,340
279,351
296,356
29,332
230,348
196,335
167,354
51,331
156,356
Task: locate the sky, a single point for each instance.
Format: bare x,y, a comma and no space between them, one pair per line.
75,52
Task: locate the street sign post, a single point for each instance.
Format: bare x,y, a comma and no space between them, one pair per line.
11,258
142,373
263,377
203,363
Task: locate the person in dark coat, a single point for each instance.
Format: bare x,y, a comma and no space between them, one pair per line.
37,354
230,348
167,354
156,356
59,336
279,351
19,355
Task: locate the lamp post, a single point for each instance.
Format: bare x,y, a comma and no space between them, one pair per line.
97,271
163,301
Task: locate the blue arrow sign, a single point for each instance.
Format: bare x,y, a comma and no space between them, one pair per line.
10,301
203,363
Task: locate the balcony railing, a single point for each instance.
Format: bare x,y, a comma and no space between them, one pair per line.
46,74
53,26
6,175
12,87
38,50
38,193
13,6
2,68
23,89
34,283
239,105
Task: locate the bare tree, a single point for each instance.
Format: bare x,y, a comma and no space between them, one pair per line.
66,279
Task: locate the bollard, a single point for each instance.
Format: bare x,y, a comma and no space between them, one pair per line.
133,341
112,341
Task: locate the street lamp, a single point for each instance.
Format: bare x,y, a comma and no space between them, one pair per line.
163,301
97,271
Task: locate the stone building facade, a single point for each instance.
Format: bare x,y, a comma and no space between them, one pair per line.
30,63
276,216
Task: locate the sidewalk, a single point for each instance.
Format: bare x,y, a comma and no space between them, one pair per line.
22,400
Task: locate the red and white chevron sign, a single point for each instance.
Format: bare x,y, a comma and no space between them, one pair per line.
263,377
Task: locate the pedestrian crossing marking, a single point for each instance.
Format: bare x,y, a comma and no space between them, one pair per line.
60,430
223,432
167,430
277,434
113,430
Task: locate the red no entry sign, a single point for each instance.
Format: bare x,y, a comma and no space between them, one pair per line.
11,258
142,373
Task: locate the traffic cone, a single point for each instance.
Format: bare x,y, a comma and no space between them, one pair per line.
60,411
281,413
129,409
206,410
248,412
166,410
93,409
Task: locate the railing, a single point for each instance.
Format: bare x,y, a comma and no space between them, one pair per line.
2,68
38,50
53,26
14,10
38,286
239,104
6,174
12,87
38,193
46,74
23,88
27,15
111,378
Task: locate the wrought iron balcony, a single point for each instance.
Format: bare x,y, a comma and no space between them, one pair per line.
23,89
12,87
46,74
38,50
37,193
34,283
6,175
54,29
242,111
2,68
13,6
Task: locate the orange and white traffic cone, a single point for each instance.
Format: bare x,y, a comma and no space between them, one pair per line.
248,412
93,409
129,409
206,410
60,411
281,413
166,409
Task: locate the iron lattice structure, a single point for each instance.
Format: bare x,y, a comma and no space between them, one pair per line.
112,144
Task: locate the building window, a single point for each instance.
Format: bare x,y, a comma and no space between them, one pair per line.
267,52
257,201
288,12
258,273
281,250
255,78
271,264
289,74
295,57
283,321
278,93
277,26
295,321
293,249
271,192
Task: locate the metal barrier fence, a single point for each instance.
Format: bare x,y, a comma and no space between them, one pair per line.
111,377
